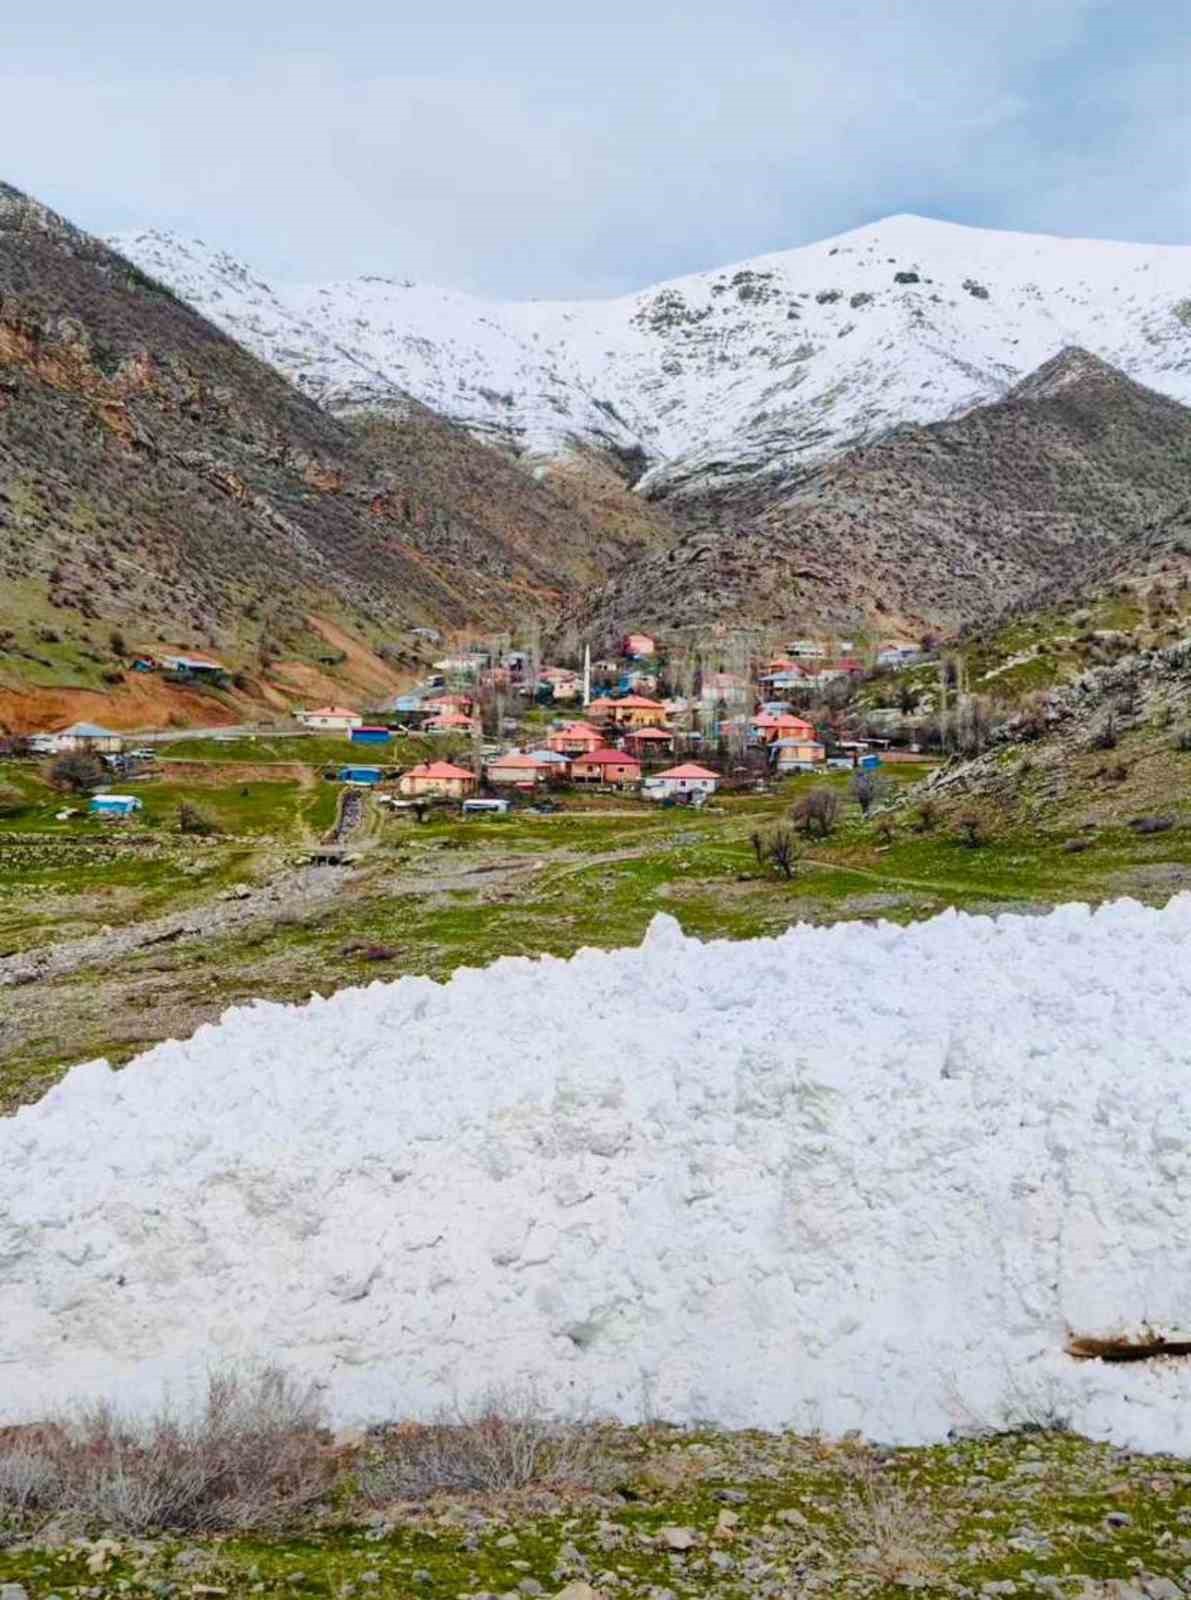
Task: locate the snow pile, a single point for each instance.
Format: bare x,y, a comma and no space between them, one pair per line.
863,1177
770,364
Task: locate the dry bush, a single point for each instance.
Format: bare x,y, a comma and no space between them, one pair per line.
250,1458
506,1440
77,771
194,820
893,1537
817,812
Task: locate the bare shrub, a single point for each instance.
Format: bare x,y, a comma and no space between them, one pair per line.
194,820
928,816
972,832
893,1535
506,1440
817,812
1105,737
76,771
1182,741
249,1458
12,801
868,789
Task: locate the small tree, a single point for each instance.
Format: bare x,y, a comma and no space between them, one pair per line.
783,851
928,816
192,819
868,788
817,812
77,771
117,642
971,832
12,801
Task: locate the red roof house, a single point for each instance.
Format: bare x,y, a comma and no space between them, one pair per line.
437,778
606,766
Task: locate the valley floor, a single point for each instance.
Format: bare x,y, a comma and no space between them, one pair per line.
113,937
1034,1512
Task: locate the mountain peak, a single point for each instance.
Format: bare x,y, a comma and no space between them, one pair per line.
1071,365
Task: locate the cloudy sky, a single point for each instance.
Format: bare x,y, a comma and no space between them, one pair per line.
506,149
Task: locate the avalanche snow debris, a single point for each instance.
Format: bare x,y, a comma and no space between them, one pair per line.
869,1177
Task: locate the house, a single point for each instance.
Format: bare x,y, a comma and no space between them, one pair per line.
631,711
797,755
556,764
649,742
451,722
458,705
686,779
607,766
516,767
114,805
87,736
370,735
767,729
331,719
637,646
727,686
805,649
438,778
365,776
576,739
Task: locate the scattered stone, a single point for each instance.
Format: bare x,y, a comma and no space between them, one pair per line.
1118,1519
678,1538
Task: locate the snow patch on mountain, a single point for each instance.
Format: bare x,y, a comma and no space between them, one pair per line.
765,367
643,1179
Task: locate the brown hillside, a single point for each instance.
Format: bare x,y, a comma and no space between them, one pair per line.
159,482
933,526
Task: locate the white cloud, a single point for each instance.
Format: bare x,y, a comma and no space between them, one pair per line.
540,156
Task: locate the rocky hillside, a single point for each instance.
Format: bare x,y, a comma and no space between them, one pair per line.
755,371
161,483
1078,469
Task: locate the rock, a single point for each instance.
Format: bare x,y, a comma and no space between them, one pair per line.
508,1541
369,1577
579,1591
792,1518
1118,1519
531,1586
1162,1589
678,1538
13,1591
732,1497
422,1576
726,1525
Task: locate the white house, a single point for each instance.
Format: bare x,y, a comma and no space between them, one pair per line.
687,779
88,736
331,719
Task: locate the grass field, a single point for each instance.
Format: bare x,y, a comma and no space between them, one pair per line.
429,898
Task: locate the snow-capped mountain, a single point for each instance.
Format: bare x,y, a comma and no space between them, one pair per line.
762,368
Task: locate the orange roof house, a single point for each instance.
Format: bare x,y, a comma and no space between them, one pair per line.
606,766
768,728
649,741
638,645
441,778
631,711
576,739
686,779
451,722
516,767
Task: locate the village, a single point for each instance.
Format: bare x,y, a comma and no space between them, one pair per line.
494,728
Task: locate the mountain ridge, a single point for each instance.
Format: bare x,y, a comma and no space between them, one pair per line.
761,369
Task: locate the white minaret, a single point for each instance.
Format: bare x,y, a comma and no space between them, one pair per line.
587,675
